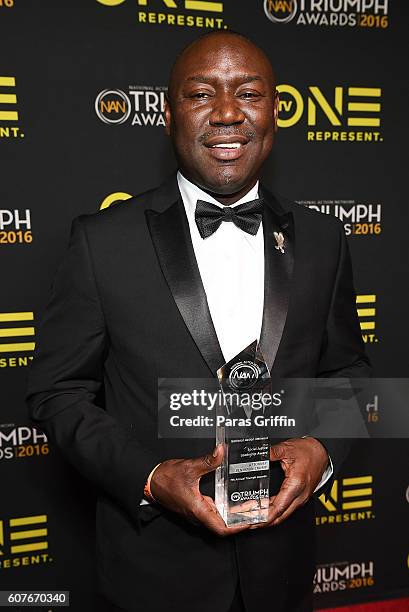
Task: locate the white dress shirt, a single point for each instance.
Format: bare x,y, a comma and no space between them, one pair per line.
231,265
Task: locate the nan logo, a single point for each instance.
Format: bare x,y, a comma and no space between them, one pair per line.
143,105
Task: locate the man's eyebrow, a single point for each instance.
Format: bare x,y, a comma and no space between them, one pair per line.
244,78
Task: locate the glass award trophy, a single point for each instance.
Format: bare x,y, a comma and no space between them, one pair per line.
242,481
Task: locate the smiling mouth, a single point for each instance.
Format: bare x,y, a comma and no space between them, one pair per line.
224,152
227,145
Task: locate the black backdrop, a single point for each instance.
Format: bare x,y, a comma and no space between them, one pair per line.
81,127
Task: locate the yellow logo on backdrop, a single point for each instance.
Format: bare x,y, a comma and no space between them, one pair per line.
26,534
366,313
350,501
8,108
345,108
15,339
160,15
196,5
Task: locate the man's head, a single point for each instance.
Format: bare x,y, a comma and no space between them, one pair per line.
222,92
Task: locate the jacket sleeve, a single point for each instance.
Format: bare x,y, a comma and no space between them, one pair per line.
343,350
66,375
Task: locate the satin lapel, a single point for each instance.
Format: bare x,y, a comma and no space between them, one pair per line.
171,238
278,270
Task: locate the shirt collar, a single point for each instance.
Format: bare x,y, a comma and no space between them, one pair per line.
191,193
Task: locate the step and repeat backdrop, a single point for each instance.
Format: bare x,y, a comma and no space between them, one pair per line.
82,87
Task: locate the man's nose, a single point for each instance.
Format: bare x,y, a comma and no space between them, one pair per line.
226,111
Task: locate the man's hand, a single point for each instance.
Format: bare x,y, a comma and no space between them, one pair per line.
175,485
303,460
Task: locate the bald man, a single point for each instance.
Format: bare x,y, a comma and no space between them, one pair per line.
155,288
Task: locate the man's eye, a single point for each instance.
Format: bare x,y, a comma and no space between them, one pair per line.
248,95
200,95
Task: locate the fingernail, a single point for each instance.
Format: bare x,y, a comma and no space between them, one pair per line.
215,451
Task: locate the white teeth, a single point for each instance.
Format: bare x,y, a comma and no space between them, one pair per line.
228,145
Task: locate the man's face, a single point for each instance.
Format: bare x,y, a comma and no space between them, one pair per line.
222,113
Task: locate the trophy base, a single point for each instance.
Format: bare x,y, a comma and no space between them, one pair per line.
252,516
246,518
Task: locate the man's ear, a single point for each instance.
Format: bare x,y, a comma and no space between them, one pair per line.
168,114
276,104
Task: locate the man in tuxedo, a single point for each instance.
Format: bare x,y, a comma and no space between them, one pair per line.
174,283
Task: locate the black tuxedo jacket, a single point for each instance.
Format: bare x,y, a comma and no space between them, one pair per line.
127,306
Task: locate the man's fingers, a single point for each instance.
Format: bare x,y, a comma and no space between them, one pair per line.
274,520
208,463
277,452
206,512
226,530
303,461
298,501
180,491
290,490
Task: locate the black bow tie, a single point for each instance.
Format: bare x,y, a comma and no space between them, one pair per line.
246,216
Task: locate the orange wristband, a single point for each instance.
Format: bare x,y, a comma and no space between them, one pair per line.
147,488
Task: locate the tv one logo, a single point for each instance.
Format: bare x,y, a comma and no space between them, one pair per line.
206,14
366,308
350,500
24,541
196,5
332,115
16,338
9,114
